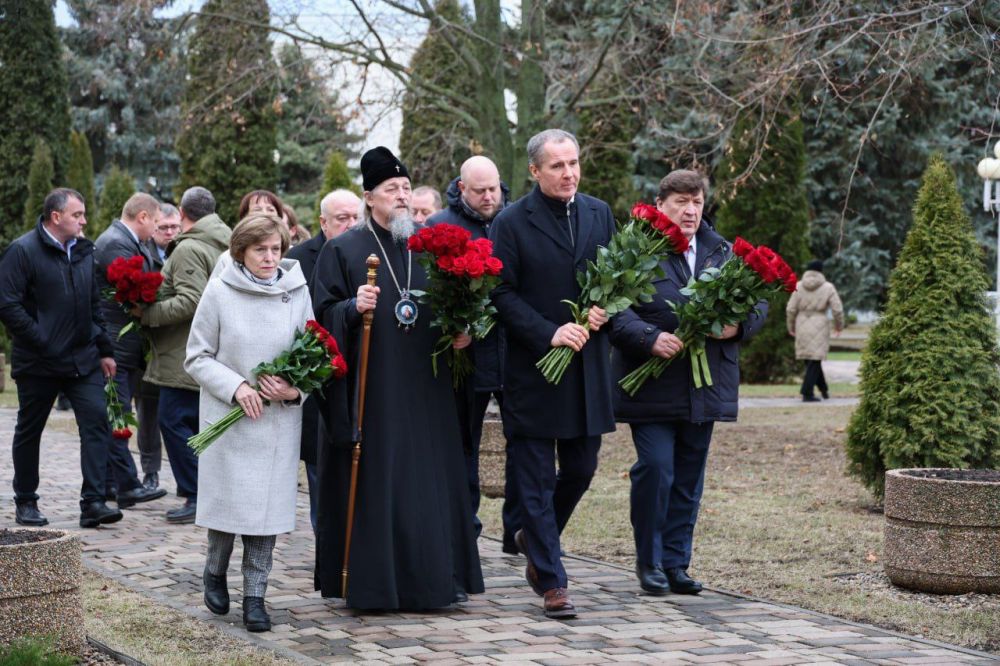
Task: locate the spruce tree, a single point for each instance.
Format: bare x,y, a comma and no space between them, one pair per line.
40,176
33,103
336,176
118,187
930,379
229,134
768,208
80,173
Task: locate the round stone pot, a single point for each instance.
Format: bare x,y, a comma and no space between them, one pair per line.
492,459
40,587
942,530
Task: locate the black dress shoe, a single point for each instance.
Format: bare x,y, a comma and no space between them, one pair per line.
138,495
216,593
825,394
255,616
151,480
110,494
509,546
460,596
27,514
183,514
681,583
652,580
98,513
810,398
530,572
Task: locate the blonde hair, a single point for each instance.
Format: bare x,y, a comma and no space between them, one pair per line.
139,202
253,229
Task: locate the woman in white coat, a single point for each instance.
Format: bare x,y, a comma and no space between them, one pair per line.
249,313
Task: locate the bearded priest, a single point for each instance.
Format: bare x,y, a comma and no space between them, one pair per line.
413,545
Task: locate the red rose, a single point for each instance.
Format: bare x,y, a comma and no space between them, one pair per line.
494,266
121,433
459,265
445,263
791,282
759,263
741,248
645,212
339,366
767,253
475,266
416,243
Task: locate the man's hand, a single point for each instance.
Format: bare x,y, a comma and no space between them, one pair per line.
461,340
249,400
571,335
109,367
596,317
729,331
367,298
136,312
667,345
276,388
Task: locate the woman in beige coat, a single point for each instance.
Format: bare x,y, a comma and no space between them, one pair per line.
807,321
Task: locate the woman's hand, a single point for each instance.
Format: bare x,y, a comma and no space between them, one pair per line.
247,398
276,388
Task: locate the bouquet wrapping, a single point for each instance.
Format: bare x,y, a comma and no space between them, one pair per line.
621,276
311,360
717,298
120,419
131,286
461,272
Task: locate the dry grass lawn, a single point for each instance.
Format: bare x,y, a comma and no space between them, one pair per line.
780,520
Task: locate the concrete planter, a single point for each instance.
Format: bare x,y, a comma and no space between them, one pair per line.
942,530
492,459
40,587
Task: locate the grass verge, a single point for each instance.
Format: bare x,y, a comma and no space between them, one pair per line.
837,390
779,520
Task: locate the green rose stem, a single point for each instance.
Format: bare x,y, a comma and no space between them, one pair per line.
204,439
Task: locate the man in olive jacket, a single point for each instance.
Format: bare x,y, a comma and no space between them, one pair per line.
190,261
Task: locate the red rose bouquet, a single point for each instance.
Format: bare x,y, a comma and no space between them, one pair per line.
120,419
132,286
461,272
718,298
311,360
621,276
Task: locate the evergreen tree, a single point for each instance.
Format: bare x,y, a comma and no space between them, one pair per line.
336,176
40,176
769,208
33,103
229,134
434,141
930,380
118,187
80,173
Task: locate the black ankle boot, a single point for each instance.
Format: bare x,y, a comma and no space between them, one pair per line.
216,593
255,616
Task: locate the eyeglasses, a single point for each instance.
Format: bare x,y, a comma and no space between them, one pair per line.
169,227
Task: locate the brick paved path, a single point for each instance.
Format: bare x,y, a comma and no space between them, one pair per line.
503,625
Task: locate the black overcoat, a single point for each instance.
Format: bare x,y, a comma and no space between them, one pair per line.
540,266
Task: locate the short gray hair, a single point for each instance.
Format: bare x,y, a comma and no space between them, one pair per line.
427,189
197,202
536,144
168,210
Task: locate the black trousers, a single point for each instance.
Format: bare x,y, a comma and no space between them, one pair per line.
814,378
147,407
549,497
122,473
36,396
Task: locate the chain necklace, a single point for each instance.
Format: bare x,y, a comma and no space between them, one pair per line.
405,309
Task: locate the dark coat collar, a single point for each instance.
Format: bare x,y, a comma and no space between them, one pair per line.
538,215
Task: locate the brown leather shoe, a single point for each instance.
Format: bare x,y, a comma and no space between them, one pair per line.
530,572
558,604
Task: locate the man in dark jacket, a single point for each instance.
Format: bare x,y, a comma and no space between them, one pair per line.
672,421
126,238
543,240
475,198
50,303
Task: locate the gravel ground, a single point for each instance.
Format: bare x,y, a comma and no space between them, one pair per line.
879,581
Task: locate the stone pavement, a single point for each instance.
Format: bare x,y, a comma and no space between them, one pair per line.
504,625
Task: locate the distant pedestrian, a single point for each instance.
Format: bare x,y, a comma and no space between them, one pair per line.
807,321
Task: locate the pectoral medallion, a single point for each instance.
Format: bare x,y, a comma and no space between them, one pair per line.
406,311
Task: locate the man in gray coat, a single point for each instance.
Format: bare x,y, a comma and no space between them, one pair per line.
126,238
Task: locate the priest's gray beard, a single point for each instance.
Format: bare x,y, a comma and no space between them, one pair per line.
401,227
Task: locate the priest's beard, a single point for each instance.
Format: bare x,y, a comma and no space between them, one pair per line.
401,227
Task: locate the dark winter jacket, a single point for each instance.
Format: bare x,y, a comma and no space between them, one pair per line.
540,263
487,353
118,241
673,397
51,307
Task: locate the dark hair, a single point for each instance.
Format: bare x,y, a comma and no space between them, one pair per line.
683,181
56,200
271,197
196,203
254,229
815,265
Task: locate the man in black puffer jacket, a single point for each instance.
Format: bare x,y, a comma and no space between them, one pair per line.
50,303
474,199
672,421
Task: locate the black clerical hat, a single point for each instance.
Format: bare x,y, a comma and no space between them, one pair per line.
378,165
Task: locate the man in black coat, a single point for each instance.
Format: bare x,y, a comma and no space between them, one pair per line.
671,420
543,240
126,238
338,211
50,304
475,198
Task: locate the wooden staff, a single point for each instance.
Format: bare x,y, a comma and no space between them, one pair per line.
366,334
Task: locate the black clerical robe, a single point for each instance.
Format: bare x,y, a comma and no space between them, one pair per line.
413,542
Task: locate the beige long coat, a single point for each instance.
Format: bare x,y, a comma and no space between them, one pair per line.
247,479
807,319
